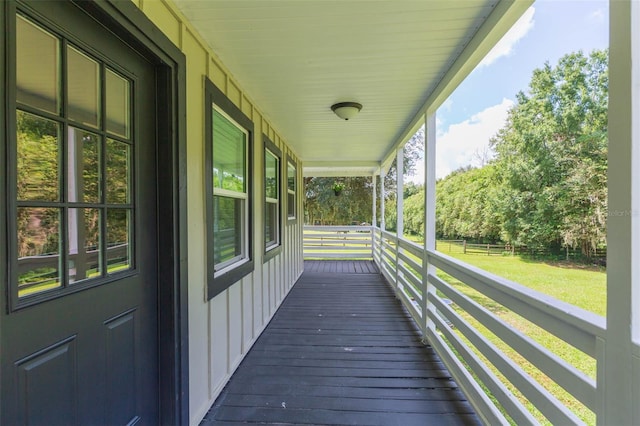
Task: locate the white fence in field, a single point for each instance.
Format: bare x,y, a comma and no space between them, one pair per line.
333,242
427,283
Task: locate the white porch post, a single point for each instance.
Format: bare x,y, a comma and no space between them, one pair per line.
429,217
382,224
619,368
399,192
382,176
374,219
399,209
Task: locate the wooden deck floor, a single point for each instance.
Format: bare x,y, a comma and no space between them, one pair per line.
341,350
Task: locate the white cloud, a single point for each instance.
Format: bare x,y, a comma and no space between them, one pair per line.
596,16
457,144
509,40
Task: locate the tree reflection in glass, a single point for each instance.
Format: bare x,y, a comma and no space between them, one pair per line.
119,251
83,165
118,154
38,158
38,249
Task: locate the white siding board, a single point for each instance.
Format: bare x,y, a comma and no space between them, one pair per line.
219,343
235,318
248,312
257,302
273,289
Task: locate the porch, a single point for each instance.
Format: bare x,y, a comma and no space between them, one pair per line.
342,350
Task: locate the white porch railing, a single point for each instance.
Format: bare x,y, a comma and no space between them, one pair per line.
452,321
331,242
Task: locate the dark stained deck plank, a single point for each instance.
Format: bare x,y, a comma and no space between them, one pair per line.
341,266
341,350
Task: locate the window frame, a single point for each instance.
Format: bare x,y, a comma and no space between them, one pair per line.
234,270
291,218
63,204
274,249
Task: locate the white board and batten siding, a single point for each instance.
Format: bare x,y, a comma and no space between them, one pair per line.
222,330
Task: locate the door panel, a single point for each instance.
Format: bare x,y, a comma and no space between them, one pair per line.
79,340
38,402
121,368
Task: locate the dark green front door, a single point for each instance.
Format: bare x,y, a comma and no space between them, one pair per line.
79,329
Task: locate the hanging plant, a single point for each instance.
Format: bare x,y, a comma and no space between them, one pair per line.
337,188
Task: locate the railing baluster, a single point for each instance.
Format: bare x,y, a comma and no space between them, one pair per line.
412,270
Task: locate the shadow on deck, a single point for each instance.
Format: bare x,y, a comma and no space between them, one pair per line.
341,350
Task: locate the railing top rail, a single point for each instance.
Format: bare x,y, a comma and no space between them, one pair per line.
364,228
580,318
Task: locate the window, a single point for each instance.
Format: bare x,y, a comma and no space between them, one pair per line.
272,204
228,189
72,175
291,189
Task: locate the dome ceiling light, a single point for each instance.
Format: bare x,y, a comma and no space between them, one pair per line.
346,110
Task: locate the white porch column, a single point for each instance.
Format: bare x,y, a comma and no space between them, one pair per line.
382,176
399,192
374,218
429,217
382,224
619,369
399,210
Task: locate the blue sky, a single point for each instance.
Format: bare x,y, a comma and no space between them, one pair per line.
478,107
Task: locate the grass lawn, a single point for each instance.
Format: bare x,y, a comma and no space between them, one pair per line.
580,285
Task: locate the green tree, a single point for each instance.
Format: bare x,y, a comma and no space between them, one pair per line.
552,156
322,206
467,204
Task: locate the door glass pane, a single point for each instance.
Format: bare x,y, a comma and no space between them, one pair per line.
83,165
119,250
38,231
118,163
37,66
83,77
229,150
271,176
38,158
84,244
227,232
117,104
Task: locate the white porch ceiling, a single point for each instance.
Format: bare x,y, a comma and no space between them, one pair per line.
297,58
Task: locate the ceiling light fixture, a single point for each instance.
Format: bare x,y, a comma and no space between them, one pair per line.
346,110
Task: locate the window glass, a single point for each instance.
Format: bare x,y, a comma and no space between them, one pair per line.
291,190
118,104
38,158
83,227
83,88
229,190
228,230
119,250
272,202
38,250
271,224
37,67
118,164
229,154
83,164
271,175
